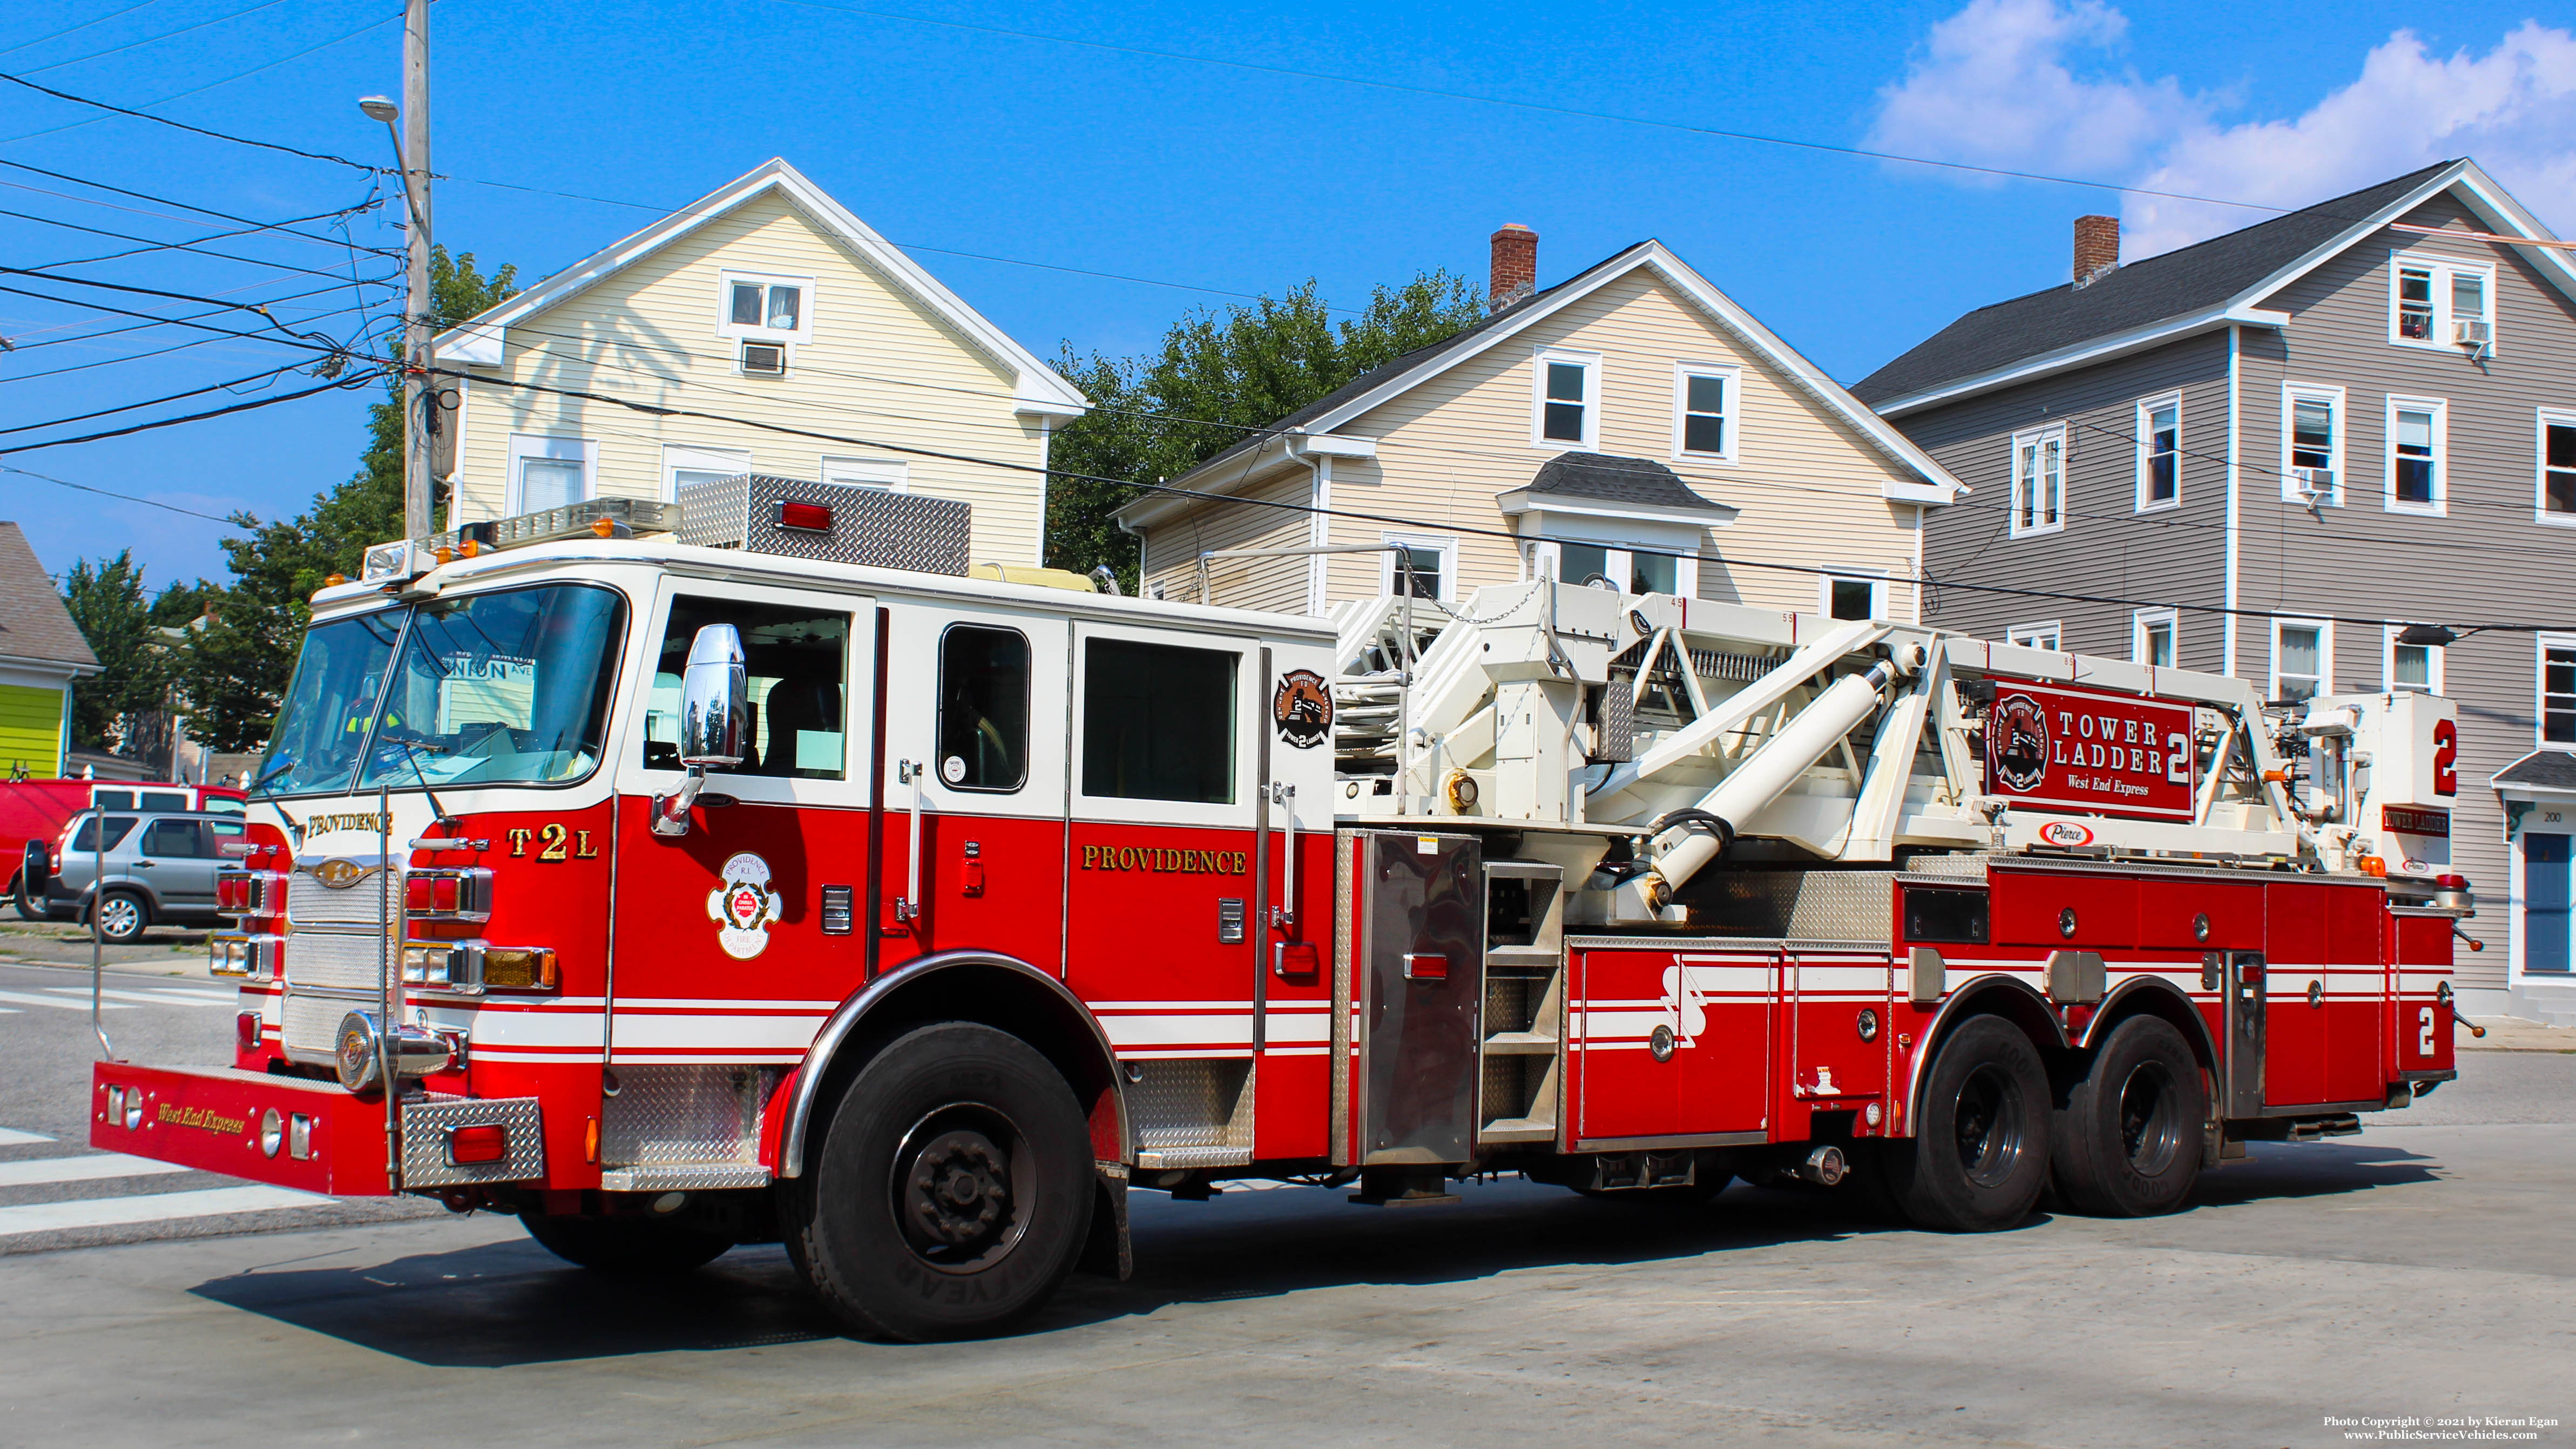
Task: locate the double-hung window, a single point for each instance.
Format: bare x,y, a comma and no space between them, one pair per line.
2039,482
1704,411
549,472
2311,445
1854,596
2557,689
1565,405
2415,667
2441,302
2159,436
2155,638
2417,443
773,308
2035,636
2556,443
1424,569
684,467
1639,571
2302,658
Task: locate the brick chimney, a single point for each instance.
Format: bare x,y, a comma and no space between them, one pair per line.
1515,266
2097,248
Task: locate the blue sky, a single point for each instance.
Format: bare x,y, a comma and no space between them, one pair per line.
1220,177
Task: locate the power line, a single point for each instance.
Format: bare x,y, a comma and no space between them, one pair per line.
211,85
150,321
184,126
84,25
111,493
282,228
151,245
156,402
354,380
156,39
288,340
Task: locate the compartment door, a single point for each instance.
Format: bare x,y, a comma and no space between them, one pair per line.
1423,969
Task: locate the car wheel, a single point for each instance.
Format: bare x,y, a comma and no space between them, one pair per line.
2128,1140
122,915
1979,1154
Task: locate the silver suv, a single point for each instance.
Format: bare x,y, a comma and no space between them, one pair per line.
159,866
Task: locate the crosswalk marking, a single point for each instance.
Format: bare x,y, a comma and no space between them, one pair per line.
12,1137
89,1167
100,1212
164,996
27,998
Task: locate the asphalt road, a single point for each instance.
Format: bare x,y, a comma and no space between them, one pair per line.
2419,1270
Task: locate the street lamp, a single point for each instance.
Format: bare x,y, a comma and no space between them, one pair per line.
413,159
379,108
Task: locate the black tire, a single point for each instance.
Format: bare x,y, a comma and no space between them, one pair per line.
124,916
30,907
2127,1142
628,1247
953,1189
1979,1154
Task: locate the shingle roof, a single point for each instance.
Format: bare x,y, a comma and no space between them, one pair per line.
1617,480
34,624
2175,284
2542,769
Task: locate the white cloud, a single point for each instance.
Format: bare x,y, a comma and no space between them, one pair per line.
1999,85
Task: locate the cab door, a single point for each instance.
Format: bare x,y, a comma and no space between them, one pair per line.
178,862
975,755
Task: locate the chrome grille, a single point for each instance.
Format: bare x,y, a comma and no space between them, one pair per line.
311,903
342,960
310,1025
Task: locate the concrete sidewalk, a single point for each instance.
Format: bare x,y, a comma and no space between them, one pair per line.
2513,1034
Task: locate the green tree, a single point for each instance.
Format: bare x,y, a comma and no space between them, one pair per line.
237,667
1219,376
106,601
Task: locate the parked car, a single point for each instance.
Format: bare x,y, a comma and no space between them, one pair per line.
157,866
34,814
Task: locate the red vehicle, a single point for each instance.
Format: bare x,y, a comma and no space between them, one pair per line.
36,814
713,889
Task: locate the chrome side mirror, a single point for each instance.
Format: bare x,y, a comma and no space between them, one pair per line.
715,721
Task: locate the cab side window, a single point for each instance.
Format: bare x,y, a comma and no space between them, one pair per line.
796,660
174,840
1158,722
118,827
983,708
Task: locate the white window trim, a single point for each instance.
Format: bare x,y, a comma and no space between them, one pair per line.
2026,635
892,475
1590,362
2440,408
547,445
2292,394
2442,267
1875,578
2540,647
1547,556
2325,652
2540,425
726,327
2039,437
2388,662
1420,543
1731,414
2146,445
680,457
2145,619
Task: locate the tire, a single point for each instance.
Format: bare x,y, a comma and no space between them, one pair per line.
2127,1142
953,1189
31,907
1979,1156
123,915
629,1247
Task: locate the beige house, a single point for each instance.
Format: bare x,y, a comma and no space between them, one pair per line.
1630,422
792,340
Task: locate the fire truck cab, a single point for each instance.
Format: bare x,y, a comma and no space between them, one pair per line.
676,877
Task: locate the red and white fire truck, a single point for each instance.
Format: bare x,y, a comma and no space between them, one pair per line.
748,869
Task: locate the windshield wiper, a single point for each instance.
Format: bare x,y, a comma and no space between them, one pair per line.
409,744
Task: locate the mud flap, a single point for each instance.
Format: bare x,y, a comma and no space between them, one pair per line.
1108,1251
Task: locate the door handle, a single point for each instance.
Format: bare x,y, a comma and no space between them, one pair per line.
907,907
145,864
1284,916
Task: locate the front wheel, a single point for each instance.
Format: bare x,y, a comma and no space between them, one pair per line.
122,915
1979,1154
2128,1138
953,1190
627,1246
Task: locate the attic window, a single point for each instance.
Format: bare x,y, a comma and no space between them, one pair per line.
1564,408
2441,302
765,308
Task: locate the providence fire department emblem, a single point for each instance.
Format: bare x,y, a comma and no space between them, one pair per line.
742,906
2017,742
1303,707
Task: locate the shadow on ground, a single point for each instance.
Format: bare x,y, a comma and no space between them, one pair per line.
511,1303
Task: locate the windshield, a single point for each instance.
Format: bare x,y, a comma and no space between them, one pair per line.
502,688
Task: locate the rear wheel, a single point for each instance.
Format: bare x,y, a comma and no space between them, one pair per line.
1979,1154
122,915
2127,1142
637,1247
953,1190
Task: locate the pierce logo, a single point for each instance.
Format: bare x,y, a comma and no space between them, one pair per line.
1303,707
742,906
2017,742
2065,832
339,875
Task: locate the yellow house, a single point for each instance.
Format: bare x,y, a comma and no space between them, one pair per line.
1630,423
41,653
785,337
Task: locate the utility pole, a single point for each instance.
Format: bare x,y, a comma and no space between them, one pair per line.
411,148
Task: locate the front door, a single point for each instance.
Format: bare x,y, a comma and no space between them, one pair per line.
2545,900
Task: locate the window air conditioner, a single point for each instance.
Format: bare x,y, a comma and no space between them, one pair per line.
2472,334
2307,485
764,359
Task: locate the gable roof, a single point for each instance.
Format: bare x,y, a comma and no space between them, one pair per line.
35,628
2170,295
1371,390
1038,388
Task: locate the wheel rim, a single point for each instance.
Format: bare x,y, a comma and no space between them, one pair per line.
960,1186
1991,1124
2151,1127
120,917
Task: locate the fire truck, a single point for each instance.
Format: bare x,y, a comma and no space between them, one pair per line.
750,869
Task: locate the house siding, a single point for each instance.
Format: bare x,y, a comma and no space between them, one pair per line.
1807,483
2488,560
880,366
2175,557
1172,550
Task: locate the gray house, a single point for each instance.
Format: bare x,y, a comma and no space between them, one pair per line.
2333,423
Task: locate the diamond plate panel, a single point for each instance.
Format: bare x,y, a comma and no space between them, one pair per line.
335,960
676,1115
1806,905
870,526
684,1177
1191,1103
425,1125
